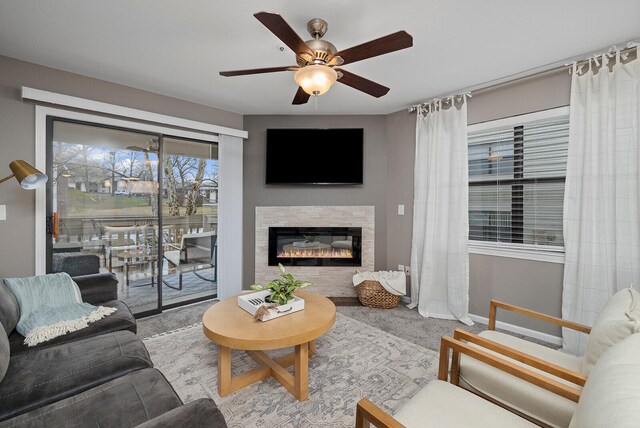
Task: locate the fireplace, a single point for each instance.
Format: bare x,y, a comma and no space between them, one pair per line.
315,246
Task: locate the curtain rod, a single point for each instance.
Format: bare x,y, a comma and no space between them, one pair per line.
530,73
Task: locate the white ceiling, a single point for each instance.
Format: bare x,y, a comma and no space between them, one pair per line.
177,48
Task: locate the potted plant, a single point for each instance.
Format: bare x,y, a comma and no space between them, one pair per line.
281,289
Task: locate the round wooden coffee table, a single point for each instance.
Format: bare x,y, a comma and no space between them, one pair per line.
231,327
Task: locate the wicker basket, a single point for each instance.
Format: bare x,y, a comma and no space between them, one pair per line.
373,295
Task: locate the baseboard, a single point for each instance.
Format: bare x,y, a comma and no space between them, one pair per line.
555,340
345,301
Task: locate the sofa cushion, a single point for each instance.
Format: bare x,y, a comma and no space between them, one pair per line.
122,319
441,404
619,318
9,308
75,264
40,377
518,394
611,396
4,353
123,402
195,414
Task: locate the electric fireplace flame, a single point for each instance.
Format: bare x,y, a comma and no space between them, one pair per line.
315,246
326,253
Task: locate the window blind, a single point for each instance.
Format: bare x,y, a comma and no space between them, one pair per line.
516,182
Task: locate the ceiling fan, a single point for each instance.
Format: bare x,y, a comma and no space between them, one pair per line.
152,147
317,59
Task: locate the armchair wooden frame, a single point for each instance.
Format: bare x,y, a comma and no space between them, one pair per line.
368,413
530,360
495,304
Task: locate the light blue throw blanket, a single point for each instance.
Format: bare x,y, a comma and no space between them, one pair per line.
51,306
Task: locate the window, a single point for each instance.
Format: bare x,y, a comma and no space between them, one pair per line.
517,170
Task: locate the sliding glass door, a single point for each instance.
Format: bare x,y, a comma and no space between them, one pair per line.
117,203
189,219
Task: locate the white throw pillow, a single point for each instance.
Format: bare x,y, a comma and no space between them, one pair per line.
611,396
619,318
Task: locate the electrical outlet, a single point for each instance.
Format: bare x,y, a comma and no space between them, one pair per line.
400,209
3,212
407,270
401,268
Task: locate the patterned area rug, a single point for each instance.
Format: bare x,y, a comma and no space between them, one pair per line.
353,360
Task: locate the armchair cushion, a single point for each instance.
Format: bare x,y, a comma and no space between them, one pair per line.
518,394
619,318
441,404
611,396
9,308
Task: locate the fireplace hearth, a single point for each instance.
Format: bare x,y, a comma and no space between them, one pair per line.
315,246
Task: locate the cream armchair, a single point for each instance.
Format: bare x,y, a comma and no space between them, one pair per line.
610,398
618,319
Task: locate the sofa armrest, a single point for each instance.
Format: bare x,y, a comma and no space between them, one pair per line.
98,288
195,414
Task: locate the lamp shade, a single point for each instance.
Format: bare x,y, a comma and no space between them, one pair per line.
28,177
315,79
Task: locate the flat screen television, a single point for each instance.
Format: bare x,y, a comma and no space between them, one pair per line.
315,156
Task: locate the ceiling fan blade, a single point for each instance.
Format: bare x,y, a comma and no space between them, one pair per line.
278,26
301,97
257,71
383,45
136,149
360,83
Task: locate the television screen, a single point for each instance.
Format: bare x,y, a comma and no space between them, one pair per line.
314,156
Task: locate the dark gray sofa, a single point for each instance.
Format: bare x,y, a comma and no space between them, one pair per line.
98,376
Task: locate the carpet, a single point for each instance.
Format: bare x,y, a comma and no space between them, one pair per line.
353,360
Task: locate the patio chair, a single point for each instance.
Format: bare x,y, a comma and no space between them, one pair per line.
197,251
118,239
610,398
617,320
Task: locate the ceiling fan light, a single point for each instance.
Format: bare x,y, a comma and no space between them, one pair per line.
315,79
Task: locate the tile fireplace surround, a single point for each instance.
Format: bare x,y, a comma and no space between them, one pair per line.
332,281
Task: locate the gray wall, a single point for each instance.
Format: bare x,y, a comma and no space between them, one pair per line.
17,134
533,284
372,192
389,157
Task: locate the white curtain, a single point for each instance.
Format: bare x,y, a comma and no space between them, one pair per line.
602,192
439,254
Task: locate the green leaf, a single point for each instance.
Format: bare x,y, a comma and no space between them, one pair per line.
304,284
281,267
257,287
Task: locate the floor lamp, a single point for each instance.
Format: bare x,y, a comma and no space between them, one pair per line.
28,177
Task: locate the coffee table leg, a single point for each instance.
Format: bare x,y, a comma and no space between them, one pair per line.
301,364
312,348
224,370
